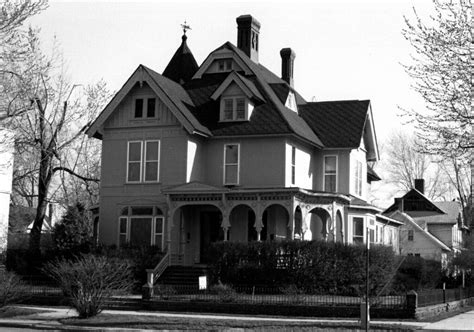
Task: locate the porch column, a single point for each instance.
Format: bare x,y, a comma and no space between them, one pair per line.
225,224
305,221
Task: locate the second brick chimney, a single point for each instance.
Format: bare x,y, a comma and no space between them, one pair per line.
287,65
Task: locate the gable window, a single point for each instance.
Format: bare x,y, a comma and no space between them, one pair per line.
358,229
293,165
224,65
143,159
145,108
231,164
330,173
411,235
358,178
234,108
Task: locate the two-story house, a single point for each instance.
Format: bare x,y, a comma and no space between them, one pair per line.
432,230
230,151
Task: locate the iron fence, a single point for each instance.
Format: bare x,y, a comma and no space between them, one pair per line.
38,285
267,295
439,296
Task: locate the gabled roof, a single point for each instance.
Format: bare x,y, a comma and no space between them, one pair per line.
247,86
171,93
182,65
339,124
398,215
270,117
411,197
452,214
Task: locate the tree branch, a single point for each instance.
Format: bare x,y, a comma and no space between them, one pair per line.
83,178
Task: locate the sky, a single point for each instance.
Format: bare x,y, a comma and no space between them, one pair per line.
344,49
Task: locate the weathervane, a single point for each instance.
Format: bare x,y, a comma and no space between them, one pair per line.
185,27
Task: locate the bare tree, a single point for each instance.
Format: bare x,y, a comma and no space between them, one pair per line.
442,74
47,133
403,163
441,70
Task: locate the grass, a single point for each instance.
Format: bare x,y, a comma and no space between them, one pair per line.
181,323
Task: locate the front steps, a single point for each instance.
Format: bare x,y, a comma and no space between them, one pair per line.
182,275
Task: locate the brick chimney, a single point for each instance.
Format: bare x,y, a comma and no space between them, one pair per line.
420,185
287,65
248,30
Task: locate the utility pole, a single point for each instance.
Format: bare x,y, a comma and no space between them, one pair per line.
365,307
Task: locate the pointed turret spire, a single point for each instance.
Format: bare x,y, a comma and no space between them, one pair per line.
182,65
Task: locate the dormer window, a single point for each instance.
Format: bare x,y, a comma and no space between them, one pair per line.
145,108
291,102
224,65
235,109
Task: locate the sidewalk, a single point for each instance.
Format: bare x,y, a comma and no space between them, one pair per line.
49,320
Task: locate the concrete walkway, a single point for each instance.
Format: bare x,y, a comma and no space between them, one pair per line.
461,322
48,320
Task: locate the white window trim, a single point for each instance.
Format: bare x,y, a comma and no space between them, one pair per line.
234,108
356,193
238,164
324,170
128,161
127,229
293,166
364,229
145,107
154,233
158,161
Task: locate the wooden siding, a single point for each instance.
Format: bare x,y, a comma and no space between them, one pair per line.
123,116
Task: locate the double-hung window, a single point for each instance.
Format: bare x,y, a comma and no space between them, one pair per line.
358,178
358,229
411,235
231,164
293,165
330,173
143,161
233,108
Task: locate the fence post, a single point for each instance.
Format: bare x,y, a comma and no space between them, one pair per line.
444,292
147,289
412,302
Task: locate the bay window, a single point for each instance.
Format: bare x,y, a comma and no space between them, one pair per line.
358,230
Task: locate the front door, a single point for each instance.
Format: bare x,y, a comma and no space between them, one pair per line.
211,231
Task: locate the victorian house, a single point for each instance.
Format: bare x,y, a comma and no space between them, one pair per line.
229,151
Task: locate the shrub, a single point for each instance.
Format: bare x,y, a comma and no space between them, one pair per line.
416,273
11,288
294,294
225,293
88,280
138,258
164,291
316,267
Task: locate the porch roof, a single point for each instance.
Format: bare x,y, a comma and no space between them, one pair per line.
197,188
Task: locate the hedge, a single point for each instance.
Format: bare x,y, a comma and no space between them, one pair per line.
316,267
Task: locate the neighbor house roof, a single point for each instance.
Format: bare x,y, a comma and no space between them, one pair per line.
411,197
452,214
398,215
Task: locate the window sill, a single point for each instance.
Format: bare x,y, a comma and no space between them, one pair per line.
148,182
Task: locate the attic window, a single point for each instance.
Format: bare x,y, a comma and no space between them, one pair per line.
145,108
224,65
235,109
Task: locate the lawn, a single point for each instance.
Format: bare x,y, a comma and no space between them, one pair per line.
9,312
202,324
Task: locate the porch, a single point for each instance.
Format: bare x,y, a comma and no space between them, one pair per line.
199,215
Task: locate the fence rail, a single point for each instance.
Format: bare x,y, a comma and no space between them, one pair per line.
267,295
438,296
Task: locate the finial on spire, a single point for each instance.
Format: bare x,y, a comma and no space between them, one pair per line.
185,27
